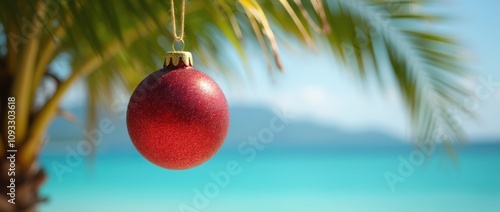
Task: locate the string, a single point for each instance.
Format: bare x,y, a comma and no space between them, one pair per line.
174,27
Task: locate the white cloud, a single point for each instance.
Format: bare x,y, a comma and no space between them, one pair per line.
313,95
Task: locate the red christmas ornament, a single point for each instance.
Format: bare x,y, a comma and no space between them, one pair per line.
177,117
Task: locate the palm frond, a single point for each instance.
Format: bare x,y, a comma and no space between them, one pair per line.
425,65
115,43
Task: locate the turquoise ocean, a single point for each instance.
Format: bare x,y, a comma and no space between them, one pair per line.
344,178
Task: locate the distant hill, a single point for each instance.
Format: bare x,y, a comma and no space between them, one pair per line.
246,121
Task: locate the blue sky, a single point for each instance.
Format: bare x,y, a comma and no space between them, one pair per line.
318,89
326,93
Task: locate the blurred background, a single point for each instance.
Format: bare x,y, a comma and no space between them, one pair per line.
346,145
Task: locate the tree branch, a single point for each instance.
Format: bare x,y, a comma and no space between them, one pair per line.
49,50
21,89
47,54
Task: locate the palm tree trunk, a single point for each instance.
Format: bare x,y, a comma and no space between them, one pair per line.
24,192
29,176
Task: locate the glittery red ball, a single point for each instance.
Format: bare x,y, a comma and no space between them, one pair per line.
177,117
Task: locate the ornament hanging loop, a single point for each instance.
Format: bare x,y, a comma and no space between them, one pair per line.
174,57
178,41
178,37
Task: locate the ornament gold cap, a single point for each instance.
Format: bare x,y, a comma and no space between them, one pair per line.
173,58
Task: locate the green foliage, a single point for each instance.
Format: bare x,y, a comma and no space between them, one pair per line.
114,44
